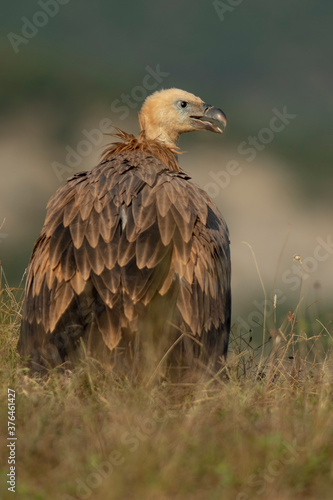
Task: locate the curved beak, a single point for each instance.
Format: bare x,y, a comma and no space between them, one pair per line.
211,113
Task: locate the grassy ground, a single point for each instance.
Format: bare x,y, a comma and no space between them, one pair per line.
263,430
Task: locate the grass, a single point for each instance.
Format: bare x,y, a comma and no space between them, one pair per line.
262,430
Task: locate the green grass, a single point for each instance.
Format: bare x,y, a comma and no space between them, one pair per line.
262,430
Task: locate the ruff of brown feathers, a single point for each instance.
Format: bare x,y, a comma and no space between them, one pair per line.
153,147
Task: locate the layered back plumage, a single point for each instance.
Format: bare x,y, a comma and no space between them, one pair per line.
132,259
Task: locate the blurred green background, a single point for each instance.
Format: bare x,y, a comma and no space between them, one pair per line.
246,59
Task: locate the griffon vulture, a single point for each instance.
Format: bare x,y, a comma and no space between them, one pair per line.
132,264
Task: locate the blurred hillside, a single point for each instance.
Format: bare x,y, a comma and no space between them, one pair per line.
253,58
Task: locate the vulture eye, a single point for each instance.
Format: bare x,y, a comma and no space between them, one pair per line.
183,104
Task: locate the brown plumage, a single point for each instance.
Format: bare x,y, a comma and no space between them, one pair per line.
133,255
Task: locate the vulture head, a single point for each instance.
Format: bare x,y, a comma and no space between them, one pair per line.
168,113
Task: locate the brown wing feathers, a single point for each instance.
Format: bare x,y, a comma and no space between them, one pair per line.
118,236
